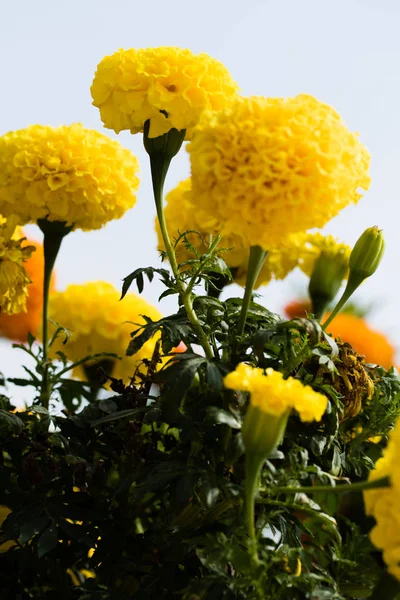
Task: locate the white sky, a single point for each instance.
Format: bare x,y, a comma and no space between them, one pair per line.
344,52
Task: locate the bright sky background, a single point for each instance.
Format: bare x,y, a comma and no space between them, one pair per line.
344,52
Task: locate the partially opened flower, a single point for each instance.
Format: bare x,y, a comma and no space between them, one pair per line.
14,278
171,87
18,326
318,243
99,322
272,398
383,504
268,167
68,173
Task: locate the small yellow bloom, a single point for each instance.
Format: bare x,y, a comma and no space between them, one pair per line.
169,86
14,278
267,167
66,173
383,504
275,395
99,322
317,243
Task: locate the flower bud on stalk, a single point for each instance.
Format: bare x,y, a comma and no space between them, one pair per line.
326,279
364,261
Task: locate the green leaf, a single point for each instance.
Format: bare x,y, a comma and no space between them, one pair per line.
31,528
220,416
48,540
122,414
179,376
10,423
137,276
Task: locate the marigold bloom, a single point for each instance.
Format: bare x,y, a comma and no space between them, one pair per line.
275,395
13,276
67,173
98,322
383,504
367,341
268,167
180,214
297,308
169,86
17,327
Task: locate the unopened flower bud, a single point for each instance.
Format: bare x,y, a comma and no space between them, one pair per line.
326,279
366,254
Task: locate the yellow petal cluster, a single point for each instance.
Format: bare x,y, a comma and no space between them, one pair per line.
14,278
274,395
181,215
98,322
318,243
383,504
267,167
169,86
66,173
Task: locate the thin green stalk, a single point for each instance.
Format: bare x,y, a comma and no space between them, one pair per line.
352,284
54,233
253,468
159,166
211,251
256,261
339,489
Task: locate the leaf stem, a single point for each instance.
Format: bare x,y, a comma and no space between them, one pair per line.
254,463
340,489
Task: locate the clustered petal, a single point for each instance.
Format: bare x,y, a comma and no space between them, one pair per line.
274,395
268,167
99,322
169,86
383,504
67,173
14,278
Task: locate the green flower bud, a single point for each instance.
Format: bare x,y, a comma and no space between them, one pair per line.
167,145
262,432
326,279
366,254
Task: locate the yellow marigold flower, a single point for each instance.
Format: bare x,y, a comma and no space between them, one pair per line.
362,337
181,215
169,86
14,279
383,504
18,326
98,322
275,395
315,244
67,173
268,167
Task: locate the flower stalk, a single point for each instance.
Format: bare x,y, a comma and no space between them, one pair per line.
161,151
339,489
54,233
256,260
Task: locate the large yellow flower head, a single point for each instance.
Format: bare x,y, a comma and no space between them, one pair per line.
66,173
181,215
98,322
14,278
317,243
383,504
169,86
274,395
268,167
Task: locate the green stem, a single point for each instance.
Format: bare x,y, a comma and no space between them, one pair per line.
340,489
256,261
161,151
352,284
253,467
211,252
54,233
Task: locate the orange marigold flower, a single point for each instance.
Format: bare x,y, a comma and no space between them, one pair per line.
16,327
366,341
297,308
